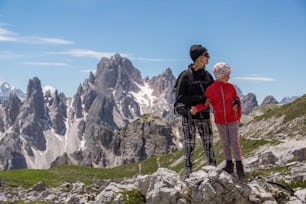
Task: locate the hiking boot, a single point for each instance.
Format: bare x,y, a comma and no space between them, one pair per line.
187,174
212,162
229,168
240,170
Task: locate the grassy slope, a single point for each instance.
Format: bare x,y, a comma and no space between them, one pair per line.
292,110
71,173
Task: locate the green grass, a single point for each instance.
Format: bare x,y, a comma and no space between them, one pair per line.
71,173
291,110
26,177
146,116
265,172
248,146
132,197
297,184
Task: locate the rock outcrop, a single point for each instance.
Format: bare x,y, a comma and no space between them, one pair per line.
269,100
249,102
208,185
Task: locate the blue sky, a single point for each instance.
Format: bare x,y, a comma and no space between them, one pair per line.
59,41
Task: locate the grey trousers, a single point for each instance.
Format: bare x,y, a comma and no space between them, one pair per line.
229,135
205,131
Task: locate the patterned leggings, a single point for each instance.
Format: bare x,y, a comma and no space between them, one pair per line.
205,131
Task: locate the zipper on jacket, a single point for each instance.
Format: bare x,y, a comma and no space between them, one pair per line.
223,102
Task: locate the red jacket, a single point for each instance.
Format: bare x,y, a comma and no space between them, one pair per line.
223,96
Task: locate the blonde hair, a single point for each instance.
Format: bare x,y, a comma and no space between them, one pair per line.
198,63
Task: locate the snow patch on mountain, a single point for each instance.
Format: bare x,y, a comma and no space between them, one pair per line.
56,145
6,89
144,97
42,159
48,88
72,141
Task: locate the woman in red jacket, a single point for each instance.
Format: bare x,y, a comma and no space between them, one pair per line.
227,111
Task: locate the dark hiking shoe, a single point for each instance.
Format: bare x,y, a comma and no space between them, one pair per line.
229,168
240,170
212,163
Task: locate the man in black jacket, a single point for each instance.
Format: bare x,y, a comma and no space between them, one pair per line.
190,94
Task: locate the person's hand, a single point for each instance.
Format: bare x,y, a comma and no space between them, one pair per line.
235,107
208,101
181,109
193,110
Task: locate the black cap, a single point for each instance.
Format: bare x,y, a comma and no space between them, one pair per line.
196,51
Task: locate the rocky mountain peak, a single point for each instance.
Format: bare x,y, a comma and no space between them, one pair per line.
288,99
249,103
117,73
6,89
239,92
35,99
269,100
91,78
58,112
168,72
163,83
33,117
34,87
118,91
12,107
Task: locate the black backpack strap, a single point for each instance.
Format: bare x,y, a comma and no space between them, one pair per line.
190,77
187,72
180,108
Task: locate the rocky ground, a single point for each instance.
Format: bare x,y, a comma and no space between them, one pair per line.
208,185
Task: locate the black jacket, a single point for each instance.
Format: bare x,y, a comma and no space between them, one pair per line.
192,94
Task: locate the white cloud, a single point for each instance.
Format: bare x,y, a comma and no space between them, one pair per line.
6,38
89,53
44,40
254,78
6,35
46,63
9,36
153,59
88,70
54,41
99,55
